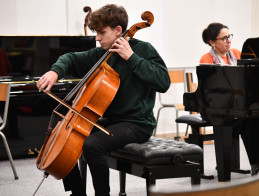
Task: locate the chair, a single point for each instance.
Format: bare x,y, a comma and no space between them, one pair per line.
249,187
176,77
191,87
4,97
197,123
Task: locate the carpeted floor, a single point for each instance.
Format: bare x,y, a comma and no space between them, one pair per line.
30,177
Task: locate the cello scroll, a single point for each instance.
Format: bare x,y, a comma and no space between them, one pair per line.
89,10
147,16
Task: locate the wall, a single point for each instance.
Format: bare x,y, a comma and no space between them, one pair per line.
255,18
176,31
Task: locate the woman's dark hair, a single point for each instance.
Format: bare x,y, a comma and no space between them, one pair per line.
109,15
212,32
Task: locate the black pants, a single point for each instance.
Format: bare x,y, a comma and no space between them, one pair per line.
94,149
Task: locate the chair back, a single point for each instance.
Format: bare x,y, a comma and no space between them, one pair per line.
241,188
4,97
190,85
3,91
176,76
173,95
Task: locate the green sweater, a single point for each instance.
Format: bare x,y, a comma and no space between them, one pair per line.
141,76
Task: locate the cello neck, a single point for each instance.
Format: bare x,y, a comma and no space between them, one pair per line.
102,60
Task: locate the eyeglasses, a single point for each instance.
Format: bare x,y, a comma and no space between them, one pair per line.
226,38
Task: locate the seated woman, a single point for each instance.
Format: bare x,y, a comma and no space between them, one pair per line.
217,36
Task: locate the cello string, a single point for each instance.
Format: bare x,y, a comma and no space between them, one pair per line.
78,113
79,85
86,77
91,71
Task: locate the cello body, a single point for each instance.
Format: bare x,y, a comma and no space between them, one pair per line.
63,147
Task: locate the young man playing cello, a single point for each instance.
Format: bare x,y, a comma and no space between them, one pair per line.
129,117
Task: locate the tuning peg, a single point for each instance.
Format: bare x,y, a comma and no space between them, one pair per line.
36,150
30,152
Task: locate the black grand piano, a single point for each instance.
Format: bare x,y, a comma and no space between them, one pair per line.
22,60
226,93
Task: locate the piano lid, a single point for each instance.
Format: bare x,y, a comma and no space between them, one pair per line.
225,93
250,48
249,53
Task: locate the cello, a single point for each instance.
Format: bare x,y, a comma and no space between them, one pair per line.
89,10
93,94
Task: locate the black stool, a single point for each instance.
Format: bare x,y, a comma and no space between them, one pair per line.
155,159
196,122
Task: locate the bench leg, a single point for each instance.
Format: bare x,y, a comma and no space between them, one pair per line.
149,181
122,184
196,138
196,178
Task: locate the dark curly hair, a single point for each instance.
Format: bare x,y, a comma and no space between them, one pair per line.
212,32
109,15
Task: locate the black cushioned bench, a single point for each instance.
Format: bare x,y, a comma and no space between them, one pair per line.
155,159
